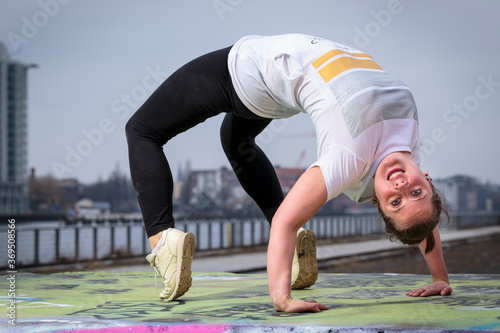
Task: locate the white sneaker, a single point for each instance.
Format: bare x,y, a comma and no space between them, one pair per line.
173,262
304,265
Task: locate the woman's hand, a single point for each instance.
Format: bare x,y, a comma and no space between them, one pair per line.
295,305
442,288
435,262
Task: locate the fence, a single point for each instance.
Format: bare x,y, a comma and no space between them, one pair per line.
475,219
53,244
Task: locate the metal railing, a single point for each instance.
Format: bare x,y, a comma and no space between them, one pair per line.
58,244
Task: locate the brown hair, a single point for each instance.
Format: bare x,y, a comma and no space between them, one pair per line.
417,231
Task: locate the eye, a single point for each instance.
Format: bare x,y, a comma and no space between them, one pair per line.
416,192
396,202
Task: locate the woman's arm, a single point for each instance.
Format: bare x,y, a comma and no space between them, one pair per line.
303,201
437,267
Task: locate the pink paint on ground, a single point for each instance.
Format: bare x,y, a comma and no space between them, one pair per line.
156,329
197,328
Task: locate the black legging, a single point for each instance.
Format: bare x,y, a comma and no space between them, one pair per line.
197,91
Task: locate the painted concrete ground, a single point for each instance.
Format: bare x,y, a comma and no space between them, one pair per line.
220,302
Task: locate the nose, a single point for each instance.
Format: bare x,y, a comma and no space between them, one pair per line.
401,183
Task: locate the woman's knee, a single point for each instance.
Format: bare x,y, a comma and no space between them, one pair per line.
238,134
135,129
131,129
226,135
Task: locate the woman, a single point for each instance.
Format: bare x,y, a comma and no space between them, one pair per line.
367,136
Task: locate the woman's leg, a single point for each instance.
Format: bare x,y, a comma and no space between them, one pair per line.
251,166
195,92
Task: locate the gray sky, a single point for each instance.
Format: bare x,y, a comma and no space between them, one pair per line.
99,60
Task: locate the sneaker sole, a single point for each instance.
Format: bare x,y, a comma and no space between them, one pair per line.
184,262
308,265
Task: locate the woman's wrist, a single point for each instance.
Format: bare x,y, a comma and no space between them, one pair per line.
441,279
280,300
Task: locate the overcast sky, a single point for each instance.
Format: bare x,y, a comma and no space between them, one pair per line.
99,60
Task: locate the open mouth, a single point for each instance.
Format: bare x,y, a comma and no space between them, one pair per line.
393,174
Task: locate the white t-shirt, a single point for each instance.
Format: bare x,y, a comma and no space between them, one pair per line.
360,112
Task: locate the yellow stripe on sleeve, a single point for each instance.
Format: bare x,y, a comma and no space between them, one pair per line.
330,54
343,64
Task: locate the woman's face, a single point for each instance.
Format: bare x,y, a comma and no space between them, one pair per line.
402,189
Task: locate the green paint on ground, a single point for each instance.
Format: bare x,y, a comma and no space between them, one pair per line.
355,300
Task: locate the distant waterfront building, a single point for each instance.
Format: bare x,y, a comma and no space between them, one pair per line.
13,135
462,193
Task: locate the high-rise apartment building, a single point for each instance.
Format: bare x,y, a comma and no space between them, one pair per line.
13,135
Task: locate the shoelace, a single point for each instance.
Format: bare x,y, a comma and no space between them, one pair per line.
152,264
